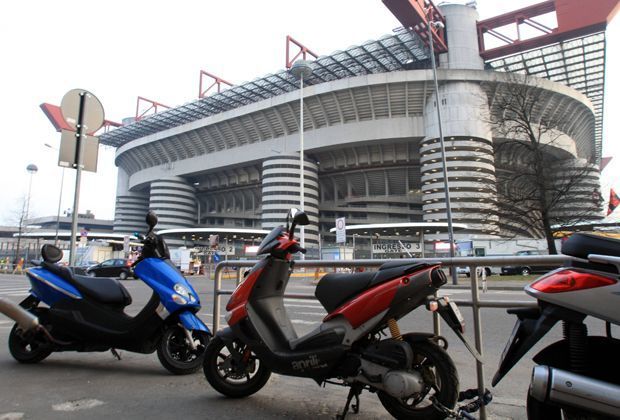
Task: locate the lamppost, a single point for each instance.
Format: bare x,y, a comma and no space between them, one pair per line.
444,165
301,69
32,169
62,182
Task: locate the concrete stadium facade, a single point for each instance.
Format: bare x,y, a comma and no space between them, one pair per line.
371,147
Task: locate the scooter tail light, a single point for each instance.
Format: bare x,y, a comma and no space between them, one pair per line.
570,281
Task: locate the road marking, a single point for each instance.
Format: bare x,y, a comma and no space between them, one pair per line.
17,294
293,305
11,416
300,300
77,405
299,321
6,322
311,313
20,289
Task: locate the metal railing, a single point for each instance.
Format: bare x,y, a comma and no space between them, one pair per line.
475,303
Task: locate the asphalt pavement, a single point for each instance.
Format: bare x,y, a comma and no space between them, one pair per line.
97,386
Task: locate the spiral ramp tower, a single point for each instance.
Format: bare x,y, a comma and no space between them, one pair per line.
131,207
281,191
173,200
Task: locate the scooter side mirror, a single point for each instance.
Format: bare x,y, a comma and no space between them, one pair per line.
151,219
298,218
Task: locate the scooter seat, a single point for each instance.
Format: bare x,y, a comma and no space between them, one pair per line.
334,289
581,245
103,289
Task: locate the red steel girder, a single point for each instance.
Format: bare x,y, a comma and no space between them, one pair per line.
153,105
54,114
303,51
217,81
415,14
575,18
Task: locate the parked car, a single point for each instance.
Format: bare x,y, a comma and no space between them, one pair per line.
525,270
82,266
115,267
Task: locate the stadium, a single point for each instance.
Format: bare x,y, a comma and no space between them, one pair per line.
371,132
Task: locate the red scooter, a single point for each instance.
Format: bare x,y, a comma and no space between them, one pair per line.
412,374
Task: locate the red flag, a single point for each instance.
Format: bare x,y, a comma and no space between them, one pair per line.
614,201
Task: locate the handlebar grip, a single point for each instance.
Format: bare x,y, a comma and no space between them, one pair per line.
297,248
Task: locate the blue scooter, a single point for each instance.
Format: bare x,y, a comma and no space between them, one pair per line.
87,314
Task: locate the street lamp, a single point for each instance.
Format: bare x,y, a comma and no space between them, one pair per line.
32,169
301,69
444,165
62,181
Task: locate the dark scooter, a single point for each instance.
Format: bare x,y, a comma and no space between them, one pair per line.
87,314
578,376
411,372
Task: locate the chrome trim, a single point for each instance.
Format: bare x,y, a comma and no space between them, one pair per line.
52,285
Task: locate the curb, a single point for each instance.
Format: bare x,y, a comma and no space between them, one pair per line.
489,287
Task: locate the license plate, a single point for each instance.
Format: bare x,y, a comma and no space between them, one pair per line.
456,313
451,314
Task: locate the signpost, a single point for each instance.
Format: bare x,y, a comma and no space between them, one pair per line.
396,248
84,113
341,230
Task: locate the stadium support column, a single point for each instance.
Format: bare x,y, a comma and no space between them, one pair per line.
467,136
131,207
281,192
173,201
581,180
469,156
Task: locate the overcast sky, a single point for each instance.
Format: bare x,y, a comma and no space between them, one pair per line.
120,50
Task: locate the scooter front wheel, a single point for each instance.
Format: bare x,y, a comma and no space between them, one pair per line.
234,371
176,354
31,349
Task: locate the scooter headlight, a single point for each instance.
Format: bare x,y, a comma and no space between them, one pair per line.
184,292
179,300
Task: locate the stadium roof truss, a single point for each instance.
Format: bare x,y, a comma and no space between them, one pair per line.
578,63
401,51
572,54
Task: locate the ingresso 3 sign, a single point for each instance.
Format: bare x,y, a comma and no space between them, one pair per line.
395,247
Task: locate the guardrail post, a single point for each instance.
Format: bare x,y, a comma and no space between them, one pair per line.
238,275
475,299
217,285
436,321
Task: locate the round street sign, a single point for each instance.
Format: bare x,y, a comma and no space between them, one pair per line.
92,115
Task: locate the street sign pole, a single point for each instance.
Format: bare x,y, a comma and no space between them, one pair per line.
82,111
78,177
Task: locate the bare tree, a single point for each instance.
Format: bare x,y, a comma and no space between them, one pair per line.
17,216
542,186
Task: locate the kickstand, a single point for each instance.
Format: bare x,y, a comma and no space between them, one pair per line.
354,392
115,354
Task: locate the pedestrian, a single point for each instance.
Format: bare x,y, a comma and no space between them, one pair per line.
19,266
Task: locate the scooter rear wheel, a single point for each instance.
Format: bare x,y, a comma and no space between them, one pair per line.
235,372
27,350
176,355
442,384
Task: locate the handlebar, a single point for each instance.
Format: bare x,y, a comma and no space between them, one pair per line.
297,248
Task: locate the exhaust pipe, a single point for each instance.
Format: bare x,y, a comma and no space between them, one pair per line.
24,319
570,389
